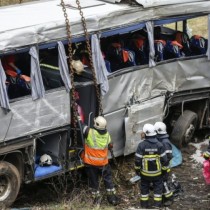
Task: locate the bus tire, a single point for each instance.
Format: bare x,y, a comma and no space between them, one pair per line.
9,184
184,128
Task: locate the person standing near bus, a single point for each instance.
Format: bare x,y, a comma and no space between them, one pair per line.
95,158
150,164
163,137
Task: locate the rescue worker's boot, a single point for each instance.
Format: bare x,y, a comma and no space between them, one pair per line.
96,198
168,201
112,198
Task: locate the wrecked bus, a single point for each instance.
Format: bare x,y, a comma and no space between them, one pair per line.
153,65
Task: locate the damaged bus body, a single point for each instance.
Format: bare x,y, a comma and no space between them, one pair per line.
155,70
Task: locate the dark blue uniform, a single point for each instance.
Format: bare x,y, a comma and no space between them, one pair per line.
164,139
150,162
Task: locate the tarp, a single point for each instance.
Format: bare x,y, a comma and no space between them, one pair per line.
177,157
44,21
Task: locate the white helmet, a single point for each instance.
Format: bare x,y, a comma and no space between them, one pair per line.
45,160
78,66
160,128
149,130
100,123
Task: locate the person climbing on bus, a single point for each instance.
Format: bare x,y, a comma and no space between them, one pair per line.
8,63
163,137
95,158
19,84
151,164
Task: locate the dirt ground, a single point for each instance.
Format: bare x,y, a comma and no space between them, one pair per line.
61,193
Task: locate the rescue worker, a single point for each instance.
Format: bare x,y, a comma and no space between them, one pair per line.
97,144
150,164
163,137
206,154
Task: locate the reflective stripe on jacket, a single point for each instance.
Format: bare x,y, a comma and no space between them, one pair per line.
96,148
150,157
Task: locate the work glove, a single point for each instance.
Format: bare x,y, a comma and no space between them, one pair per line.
137,169
165,174
18,71
165,177
110,146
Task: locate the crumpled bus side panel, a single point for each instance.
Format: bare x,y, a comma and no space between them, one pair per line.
138,115
142,85
27,117
181,75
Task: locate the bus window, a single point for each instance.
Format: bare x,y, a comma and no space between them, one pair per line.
17,70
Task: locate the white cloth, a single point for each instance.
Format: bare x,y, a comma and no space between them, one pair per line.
99,65
4,100
37,86
208,50
150,31
63,66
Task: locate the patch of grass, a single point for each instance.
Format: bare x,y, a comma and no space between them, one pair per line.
10,2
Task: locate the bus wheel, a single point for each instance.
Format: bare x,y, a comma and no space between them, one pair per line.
184,128
9,183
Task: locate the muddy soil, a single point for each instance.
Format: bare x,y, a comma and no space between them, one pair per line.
62,193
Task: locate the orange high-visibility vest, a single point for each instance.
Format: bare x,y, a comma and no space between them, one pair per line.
96,148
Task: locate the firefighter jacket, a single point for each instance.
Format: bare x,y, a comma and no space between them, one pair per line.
164,139
206,154
96,147
150,158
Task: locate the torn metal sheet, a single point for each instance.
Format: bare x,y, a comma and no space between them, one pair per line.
136,87
27,117
155,3
149,111
112,1
129,88
115,126
40,26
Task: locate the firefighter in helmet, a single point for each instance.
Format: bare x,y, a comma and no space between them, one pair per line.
97,144
150,164
163,137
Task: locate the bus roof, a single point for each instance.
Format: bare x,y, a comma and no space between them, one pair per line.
43,21
155,3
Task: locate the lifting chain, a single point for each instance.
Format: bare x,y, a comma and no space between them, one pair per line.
91,58
70,51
